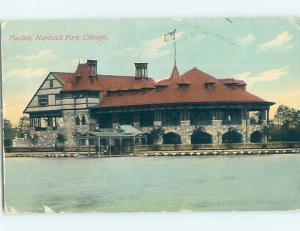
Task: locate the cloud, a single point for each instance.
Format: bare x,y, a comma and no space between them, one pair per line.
266,76
246,40
279,41
27,73
41,55
152,48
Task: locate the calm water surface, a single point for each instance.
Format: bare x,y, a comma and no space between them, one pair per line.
132,184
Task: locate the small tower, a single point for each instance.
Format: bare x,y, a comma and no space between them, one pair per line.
141,70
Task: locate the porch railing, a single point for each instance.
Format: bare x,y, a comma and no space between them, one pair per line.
231,122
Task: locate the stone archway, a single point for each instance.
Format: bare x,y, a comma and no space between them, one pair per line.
232,137
200,137
171,138
256,137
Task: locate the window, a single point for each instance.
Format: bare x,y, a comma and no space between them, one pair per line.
210,86
43,100
77,120
51,83
57,97
182,86
83,120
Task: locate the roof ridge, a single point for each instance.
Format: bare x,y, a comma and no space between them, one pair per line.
198,70
63,72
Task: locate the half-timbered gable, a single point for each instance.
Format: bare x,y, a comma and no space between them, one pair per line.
47,96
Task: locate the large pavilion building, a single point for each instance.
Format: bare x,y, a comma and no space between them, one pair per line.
189,108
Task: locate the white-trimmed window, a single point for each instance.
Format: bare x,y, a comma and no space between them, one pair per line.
51,83
43,100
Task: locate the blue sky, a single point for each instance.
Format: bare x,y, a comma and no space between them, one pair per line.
265,52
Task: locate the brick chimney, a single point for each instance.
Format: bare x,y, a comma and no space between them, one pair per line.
141,70
93,65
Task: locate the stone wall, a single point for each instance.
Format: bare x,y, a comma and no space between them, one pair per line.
65,125
43,138
216,130
70,128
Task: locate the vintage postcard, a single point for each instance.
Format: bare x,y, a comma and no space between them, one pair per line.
153,115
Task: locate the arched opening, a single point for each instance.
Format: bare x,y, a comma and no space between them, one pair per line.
171,138
83,120
232,137
77,119
256,137
200,137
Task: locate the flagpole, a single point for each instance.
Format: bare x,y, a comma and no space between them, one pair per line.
175,47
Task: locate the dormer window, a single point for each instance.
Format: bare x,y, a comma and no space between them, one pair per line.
182,86
160,88
210,85
78,79
110,93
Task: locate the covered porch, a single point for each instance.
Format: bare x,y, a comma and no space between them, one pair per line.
120,141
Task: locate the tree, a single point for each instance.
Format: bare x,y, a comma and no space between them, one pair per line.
286,116
61,139
23,127
9,133
287,127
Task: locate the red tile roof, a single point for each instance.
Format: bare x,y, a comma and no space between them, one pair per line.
84,80
196,90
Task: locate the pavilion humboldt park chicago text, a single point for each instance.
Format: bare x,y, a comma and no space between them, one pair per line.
111,112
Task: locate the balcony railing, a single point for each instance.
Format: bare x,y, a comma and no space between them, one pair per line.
201,122
170,123
231,122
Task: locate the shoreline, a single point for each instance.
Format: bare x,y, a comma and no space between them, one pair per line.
155,153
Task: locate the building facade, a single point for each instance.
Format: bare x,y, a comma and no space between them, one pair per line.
192,108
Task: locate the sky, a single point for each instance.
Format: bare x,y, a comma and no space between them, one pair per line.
265,52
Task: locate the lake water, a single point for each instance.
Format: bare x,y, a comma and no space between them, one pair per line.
135,184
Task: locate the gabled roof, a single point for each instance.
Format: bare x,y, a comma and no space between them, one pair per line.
195,92
84,80
196,88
